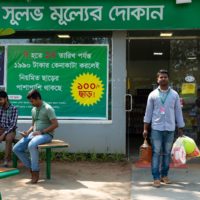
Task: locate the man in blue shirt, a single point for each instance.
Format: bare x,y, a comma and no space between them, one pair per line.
163,112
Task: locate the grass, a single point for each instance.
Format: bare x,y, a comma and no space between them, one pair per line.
72,157
100,157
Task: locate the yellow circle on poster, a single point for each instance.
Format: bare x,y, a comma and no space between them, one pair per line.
87,89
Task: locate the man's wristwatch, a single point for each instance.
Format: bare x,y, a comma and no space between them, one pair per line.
42,132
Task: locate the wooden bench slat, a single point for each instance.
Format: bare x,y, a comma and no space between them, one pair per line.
6,169
54,144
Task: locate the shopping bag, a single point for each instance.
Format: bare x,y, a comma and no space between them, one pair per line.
189,144
178,152
194,154
191,149
145,155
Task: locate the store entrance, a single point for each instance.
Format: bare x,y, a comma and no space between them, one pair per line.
146,55
142,66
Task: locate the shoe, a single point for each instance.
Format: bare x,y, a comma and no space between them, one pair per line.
35,177
31,173
165,180
156,183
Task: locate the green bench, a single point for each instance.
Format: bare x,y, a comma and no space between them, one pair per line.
48,147
7,172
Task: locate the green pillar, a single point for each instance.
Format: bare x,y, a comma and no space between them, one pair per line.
14,159
48,163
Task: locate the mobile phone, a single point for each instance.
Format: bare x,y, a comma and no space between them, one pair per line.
22,133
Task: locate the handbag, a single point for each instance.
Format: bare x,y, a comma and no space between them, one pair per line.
145,155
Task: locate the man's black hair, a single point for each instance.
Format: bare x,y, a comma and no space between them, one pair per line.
162,71
3,94
34,94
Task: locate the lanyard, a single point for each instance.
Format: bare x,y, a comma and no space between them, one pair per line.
163,99
37,112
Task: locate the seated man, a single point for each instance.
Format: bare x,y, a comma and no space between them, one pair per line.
8,124
44,123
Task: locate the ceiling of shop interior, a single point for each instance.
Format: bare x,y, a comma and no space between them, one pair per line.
156,33
144,49
142,44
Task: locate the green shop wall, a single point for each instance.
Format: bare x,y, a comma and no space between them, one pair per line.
99,15
72,78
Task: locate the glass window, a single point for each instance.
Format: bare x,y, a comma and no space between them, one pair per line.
185,79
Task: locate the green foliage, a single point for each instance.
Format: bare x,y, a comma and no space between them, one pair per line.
93,157
1,155
101,157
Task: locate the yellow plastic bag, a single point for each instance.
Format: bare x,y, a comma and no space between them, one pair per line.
189,144
194,154
191,148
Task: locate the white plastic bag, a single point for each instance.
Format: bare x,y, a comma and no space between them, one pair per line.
178,152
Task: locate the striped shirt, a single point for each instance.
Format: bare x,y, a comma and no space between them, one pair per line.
8,118
164,116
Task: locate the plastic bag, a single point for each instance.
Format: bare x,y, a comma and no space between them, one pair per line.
178,152
189,144
145,152
194,154
191,148
184,149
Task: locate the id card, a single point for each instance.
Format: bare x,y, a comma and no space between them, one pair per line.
162,110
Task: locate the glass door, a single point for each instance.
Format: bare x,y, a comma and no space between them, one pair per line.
143,63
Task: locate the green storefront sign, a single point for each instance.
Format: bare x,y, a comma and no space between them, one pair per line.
99,15
72,78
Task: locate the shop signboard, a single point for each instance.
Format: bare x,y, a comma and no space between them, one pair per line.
72,78
99,15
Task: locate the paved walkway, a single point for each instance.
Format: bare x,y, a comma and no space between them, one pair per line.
185,184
